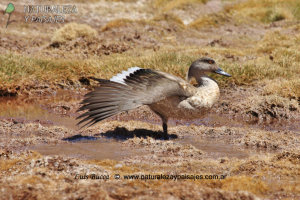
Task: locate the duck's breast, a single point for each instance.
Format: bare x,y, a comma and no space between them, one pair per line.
179,108
187,108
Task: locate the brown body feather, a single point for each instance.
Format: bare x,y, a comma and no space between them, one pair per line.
143,87
167,95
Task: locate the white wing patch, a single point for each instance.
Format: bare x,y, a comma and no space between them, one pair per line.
119,78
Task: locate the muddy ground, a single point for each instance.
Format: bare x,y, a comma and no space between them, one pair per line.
43,150
247,147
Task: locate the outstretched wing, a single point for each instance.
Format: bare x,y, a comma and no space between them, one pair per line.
129,90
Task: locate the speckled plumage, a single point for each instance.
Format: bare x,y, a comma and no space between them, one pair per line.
167,95
195,106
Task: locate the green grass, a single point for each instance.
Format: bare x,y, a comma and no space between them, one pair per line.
274,57
258,70
16,68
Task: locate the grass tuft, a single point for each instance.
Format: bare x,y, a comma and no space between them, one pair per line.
284,66
283,87
265,10
168,18
116,24
72,31
167,5
244,183
210,20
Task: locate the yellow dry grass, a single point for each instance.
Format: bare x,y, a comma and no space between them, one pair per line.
116,24
72,31
167,5
283,87
250,11
33,180
22,69
283,68
168,18
210,20
274,64
122,0
244,183
8,164
277,42
265,10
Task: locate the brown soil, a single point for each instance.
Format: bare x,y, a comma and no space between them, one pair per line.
242,154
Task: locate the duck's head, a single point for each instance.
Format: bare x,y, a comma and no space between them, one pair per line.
202,66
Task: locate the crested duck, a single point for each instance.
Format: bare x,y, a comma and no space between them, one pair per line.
166,95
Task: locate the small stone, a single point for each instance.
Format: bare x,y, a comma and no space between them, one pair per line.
118,165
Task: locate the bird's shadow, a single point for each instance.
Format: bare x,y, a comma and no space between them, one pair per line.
121,134
80,138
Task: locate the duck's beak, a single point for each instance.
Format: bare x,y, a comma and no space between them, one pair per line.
220,71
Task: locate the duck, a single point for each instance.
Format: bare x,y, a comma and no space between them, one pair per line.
167,95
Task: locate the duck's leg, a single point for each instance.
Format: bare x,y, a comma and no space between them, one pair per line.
164,124
165,128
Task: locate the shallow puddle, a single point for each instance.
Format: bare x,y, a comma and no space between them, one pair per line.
33,109
215,148
102,148
93,150
99,148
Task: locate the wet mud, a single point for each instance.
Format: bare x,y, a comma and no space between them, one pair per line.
41,142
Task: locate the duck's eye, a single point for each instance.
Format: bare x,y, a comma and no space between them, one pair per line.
211,62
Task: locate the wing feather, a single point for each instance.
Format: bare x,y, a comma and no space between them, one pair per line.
140,87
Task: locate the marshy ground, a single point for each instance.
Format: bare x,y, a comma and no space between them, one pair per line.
251,136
